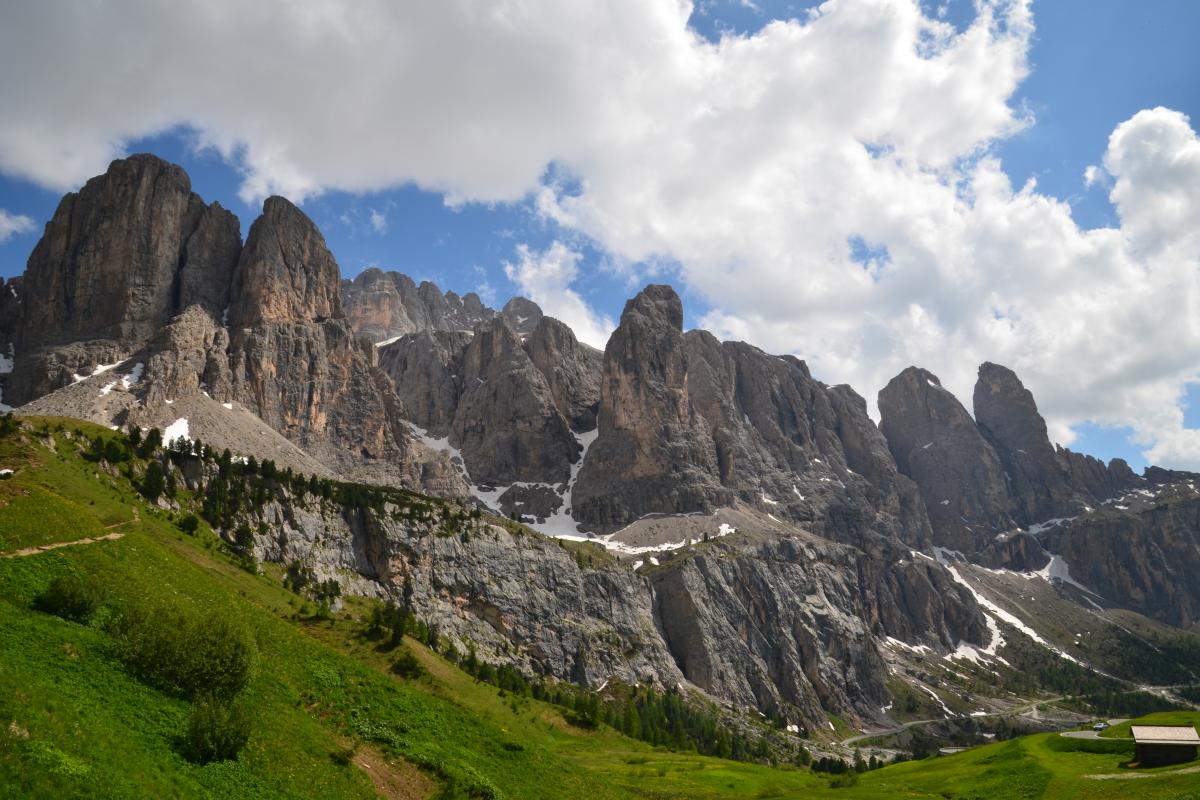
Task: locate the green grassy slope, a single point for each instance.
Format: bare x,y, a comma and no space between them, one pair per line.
74,723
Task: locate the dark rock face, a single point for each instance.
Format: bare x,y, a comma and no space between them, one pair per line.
688,423
10,312
571,369
384,305
1092,477
484,392
521,315
427,370
1144,557
1008,418
936,443
506,424
653,453
121,257
286,273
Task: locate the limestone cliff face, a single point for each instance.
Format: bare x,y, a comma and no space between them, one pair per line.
507,424
285,273
571,370
654,454
1043,483
510,407
787,625
1008,418
383,305
1141,553
117,261
936,443
295,362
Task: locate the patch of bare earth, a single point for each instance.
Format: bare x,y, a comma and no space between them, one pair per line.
395,778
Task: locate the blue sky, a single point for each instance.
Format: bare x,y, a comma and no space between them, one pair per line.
1093,64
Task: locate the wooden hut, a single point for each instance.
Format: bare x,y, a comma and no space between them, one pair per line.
1164,744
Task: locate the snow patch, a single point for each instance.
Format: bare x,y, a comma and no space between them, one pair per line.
1008,617
177,430
106,388
945,708
386,342
1048,524
725,529
99,370
227,406
134,377
768,500
6,361
919,649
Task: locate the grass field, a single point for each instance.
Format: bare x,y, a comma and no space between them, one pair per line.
329,718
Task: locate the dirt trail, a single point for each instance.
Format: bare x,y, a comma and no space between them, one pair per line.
42,548
1129,776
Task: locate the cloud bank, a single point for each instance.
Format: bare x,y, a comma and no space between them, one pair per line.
829,183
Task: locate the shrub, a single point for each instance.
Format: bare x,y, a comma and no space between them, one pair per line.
181,652
70,597
843,781
407,666
189,524
217,729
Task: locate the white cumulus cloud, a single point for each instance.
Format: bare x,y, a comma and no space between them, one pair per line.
13,224
545,277
828,184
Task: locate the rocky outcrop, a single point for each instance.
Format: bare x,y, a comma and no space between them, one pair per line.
521,315
1043,483
427,370
1141,553
295,362
117,261
1091,476
285,273
384,305
689,424
936,443
506,424
654,454
1008,418
783,624
484,394
571,369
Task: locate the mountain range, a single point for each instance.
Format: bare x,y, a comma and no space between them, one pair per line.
753,532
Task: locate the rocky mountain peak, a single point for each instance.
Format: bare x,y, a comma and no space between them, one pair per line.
656,305
286,273
1008,418
571,368
119,258
383,306
936,443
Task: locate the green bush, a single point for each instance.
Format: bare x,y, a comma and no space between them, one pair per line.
843,781
217,729
189,523
70,597
407,666
182,652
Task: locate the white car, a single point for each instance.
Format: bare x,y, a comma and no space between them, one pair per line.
1099,726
